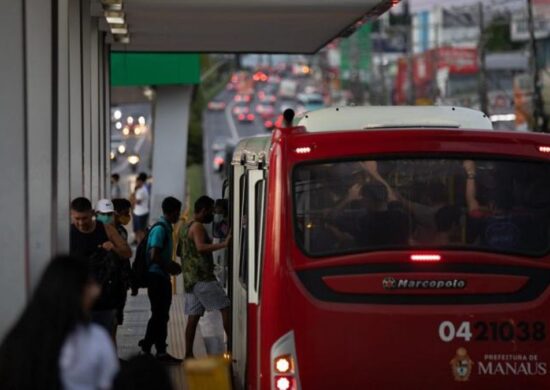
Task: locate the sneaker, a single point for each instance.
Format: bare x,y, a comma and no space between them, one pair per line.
168,359
144,349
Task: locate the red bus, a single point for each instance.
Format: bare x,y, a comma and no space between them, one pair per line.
391,247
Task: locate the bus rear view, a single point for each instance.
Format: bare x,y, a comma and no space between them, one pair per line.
420,256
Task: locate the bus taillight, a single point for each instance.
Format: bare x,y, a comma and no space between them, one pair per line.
426,258
544,149
284,383
283,364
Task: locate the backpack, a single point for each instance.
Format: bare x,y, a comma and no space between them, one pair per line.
141,263
105,269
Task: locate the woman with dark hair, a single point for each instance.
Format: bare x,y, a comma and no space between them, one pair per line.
53,345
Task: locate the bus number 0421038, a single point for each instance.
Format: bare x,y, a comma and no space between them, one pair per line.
493,331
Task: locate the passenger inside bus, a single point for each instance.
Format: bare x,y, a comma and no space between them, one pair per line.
495,219
447,225
382,209
431,198
492,205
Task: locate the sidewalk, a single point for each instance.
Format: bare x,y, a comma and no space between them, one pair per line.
136,316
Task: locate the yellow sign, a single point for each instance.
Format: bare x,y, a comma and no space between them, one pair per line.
208,373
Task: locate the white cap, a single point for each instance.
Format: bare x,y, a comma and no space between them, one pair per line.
104,206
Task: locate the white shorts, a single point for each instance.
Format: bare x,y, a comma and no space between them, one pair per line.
205,296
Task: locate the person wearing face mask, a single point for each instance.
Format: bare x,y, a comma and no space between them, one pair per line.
202,290
105,212
220,224
220,229
98,241
123,209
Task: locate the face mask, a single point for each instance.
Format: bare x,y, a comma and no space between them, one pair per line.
124,220
104,218
209,218
218,218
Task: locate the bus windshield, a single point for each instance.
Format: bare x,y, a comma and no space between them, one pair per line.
414,203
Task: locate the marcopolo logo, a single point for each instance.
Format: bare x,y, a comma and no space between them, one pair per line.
391,283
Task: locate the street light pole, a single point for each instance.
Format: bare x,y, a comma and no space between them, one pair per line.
483,103
540,119
411,93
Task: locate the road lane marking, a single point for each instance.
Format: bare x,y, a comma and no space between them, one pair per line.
231,121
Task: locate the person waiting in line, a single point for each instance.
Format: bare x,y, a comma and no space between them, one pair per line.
115,186
159,286
53,345
140,202
220,224
91,239
123,209
220,230
202,290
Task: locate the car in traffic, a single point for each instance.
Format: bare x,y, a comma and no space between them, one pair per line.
217,104
242,98
311,101
222,148
287,89
243,113
260,76
219,143
246,118
241,109
267,98
265,111
271,124
218,162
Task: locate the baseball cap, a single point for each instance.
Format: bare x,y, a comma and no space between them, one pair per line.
104,206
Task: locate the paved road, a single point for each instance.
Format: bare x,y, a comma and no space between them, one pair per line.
222,123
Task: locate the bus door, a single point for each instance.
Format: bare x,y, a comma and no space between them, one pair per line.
239,297
246,267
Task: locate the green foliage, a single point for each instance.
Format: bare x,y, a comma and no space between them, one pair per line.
498,37
201,95
195,182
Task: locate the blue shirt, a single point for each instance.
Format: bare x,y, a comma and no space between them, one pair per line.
158,239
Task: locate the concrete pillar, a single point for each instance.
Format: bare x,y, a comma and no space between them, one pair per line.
45,149
13,160
75,102
106,88
170,145
62,174
86,29
41,134
94,115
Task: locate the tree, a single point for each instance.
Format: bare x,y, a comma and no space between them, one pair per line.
498,36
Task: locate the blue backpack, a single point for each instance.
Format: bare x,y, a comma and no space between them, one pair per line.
141,263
